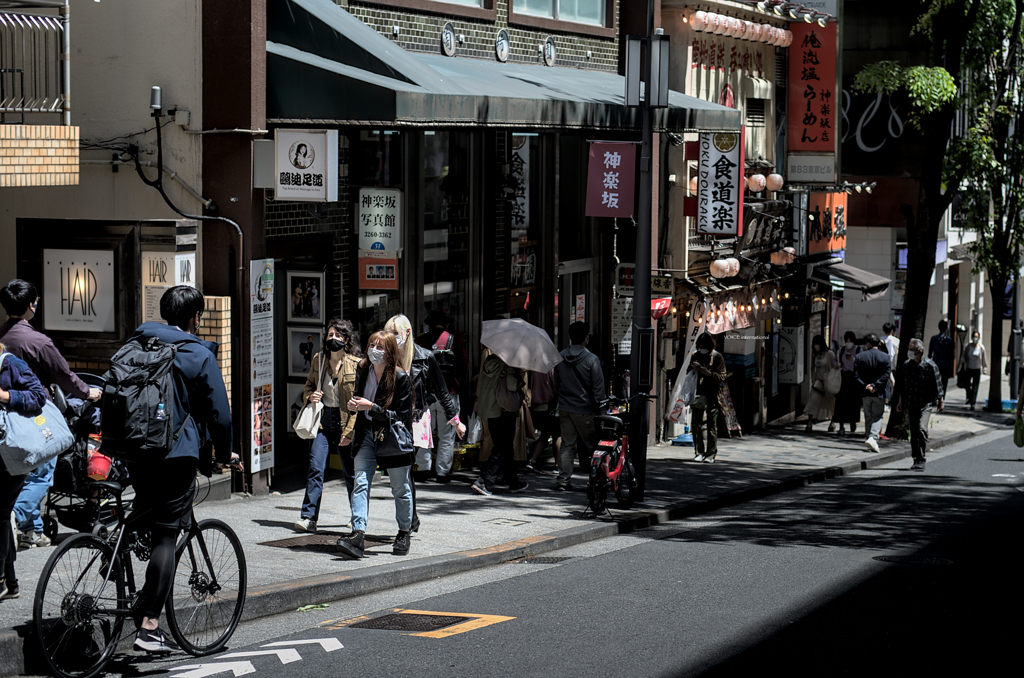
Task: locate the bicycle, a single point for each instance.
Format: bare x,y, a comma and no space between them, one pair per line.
88,589
610,464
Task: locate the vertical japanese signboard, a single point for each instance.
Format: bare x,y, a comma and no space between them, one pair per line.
827,229
306,165
812,88
379,218
261,334
719,193
610,178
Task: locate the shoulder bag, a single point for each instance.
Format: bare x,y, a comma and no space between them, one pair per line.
307,424
509,400
394,439
28,442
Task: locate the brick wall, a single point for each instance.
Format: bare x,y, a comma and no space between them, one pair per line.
217,327
38,155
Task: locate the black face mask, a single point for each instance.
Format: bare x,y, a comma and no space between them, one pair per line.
334,345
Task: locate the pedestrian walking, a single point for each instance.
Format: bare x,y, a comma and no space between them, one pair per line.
820,403
975,363
892,347
165,486
501,416
429,387
579,382
332,382
20,391
940,351
848,402
450,354
709,365
872,369
20,300
384,393
545,416
919,393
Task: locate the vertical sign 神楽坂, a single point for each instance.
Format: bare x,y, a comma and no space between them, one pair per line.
611,173
261,334
719,193
812,88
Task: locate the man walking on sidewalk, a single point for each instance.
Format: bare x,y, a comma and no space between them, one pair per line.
918,391
872,368
579,382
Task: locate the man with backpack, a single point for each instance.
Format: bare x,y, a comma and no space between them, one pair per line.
450,353
579,382
165,442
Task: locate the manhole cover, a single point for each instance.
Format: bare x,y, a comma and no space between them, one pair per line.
541,560
914,561
321,543
409,622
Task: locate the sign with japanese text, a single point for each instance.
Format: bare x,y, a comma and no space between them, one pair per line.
79,291
520,177
812,88
306,165
378,270
379,219
811,168
610,178
625,277
827,229
160,272
719,192
261,334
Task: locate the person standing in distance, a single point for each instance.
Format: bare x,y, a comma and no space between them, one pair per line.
709,365
940,351
449,349
21,301
920,390
579,382
165,486
872,368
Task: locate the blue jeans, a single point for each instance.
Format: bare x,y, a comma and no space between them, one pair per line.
27,509
401,487
320,449
444,437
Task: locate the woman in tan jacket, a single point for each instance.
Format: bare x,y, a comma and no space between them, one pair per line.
331,381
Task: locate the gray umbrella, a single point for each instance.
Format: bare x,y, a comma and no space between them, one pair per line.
520,344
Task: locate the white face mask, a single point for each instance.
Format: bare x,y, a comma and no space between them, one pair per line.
702,351
849,344
974,340
400,339
376,355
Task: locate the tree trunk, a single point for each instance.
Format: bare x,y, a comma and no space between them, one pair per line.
997,291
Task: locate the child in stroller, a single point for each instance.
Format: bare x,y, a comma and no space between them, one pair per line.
70,502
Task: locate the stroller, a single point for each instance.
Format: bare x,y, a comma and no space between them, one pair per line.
70,501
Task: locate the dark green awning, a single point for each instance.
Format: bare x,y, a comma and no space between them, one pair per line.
325,66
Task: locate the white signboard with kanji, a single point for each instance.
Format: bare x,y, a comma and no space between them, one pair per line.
306,165
719,192
379,219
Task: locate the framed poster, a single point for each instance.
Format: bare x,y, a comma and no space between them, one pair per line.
303,344
305,296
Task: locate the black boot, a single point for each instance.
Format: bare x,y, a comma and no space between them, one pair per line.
415,523
401,543
352,545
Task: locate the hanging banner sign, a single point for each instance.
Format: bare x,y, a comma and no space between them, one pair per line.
378,270
610,176
261,334
379,219
719,193
306,165
78,291
827,230
812,88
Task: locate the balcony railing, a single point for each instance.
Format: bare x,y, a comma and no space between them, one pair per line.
34,78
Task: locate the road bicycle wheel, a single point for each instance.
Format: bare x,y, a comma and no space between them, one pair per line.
597,489
208,593
73,614
626,492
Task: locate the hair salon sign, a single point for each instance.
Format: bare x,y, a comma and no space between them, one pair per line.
78,291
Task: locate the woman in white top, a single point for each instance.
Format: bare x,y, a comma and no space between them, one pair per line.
820,403
974,359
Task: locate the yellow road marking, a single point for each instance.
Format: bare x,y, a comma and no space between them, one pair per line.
475,621
508,546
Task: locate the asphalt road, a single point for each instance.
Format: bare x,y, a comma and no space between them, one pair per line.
882,573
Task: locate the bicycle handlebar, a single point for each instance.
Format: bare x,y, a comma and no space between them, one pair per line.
615,400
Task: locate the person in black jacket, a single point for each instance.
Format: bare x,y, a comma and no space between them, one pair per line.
385,392
579,382
872,368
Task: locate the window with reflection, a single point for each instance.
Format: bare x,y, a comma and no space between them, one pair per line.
579,11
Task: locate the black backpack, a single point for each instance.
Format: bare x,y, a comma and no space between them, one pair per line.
446,360
140,379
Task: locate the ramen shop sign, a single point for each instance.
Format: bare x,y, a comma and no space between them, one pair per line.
306,165
78,291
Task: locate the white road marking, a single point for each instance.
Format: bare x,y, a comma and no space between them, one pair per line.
329,644
287,656
202,670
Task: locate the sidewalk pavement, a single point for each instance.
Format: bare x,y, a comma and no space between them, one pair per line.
462,530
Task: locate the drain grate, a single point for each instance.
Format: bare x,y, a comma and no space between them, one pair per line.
541,560
321,543
410,622
914,561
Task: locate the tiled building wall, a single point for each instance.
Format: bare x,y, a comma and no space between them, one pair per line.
38,155
217,327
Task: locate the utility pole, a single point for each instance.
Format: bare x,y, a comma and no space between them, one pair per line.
1015,335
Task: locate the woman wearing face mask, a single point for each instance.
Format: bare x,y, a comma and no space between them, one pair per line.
384,391
709,365
429,385
848,402
974,358
331,381
820,402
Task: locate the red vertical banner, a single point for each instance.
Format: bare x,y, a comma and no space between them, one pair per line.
827,229
611,174
812,88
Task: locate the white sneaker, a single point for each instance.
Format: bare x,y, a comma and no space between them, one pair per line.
872,443
305,525
698,458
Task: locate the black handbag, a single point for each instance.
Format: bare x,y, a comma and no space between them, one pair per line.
394,439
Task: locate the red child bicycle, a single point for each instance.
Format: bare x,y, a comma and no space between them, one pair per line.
610,465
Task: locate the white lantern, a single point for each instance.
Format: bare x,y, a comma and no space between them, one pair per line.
766,32
737,27
754,32
790,253
782,37
699,21
775,182
693,185
756,183
721,23
719,268
789,39
744,33
733,267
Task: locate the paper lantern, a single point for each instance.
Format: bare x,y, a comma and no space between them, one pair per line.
756,183
718,268
766,32
775,182
754,32
699,21
781,38
744,33
733,267
787,38
791,252
737,27
693,185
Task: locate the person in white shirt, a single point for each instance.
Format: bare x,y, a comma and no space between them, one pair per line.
892,346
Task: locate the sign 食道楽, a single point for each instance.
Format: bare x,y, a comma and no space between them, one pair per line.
719,192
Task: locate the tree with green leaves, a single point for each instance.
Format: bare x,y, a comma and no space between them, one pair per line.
961,102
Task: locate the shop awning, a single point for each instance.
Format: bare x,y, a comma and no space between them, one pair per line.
872,285
325,66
